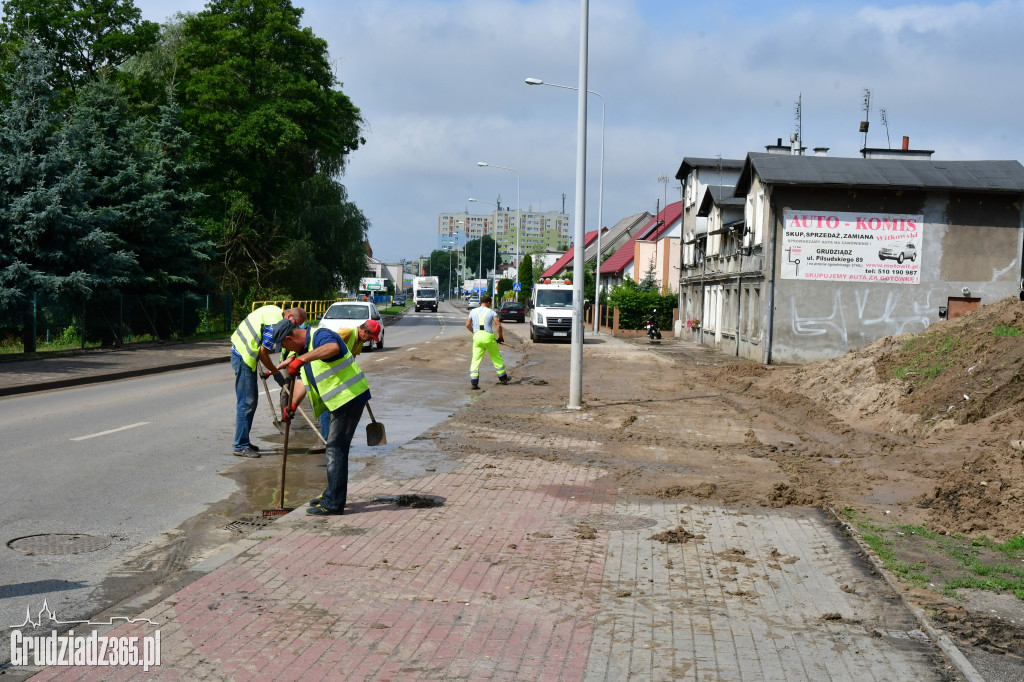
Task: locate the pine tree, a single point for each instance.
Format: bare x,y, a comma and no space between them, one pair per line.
50,241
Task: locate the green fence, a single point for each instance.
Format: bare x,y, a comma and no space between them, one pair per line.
58,323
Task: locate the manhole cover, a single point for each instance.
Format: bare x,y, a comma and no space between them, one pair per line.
58,543
615,522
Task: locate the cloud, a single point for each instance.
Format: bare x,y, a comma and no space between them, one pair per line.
440,84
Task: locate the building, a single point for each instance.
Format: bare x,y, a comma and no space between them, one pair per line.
649,249
540,231
831,254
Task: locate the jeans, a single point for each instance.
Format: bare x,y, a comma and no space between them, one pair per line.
245,396
344,421
325,424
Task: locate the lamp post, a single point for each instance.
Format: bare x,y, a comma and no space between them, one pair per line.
600,203
519,213
494,288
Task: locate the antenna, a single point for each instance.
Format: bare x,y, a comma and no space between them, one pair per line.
799,115
885,122
867,116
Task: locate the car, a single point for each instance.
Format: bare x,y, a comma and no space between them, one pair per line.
349,314
474,301
511,310
399,299
898,253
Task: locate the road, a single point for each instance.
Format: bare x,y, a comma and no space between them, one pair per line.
136,477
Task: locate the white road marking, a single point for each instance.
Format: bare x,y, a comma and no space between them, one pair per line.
104,433
380,359
413,348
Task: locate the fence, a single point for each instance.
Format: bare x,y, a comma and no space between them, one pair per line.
608,320
53,322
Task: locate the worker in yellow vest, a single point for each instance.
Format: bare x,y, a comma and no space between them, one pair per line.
251,344
336,385
484,325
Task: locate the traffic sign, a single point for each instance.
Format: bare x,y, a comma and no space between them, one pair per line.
517,287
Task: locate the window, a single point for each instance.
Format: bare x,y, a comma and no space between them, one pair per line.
759,219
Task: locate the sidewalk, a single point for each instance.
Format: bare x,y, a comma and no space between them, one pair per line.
93,366
527,569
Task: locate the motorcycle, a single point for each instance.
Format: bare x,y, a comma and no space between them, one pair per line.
651,325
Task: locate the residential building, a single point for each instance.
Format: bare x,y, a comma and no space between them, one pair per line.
540,231
831,254
650,249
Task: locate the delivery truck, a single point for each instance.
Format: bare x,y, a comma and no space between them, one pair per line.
425,293
551,315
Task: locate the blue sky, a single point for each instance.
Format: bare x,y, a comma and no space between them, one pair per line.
441,86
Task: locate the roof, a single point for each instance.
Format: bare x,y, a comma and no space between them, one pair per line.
567,256
650,232
718,195
691,163
826,171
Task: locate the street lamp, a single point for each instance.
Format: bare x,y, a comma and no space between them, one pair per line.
519,213
494,288
600,203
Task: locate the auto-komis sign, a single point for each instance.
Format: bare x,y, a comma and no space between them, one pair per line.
852,247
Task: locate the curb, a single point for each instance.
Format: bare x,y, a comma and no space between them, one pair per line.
941,639
111,376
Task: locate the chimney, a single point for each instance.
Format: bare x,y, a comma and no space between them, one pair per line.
906,143
821,151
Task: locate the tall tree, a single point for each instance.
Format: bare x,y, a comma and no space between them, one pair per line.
83,36
258,90
52,242
479,263
525,278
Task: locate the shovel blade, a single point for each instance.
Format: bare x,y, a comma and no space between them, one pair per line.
375,434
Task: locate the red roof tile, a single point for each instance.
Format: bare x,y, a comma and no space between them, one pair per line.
652,231
567,256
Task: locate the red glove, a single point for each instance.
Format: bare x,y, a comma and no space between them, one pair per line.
295,366
287,413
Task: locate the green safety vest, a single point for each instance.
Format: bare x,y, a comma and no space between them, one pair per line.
249,335
332,384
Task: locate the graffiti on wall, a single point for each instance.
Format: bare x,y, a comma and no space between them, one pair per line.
864,312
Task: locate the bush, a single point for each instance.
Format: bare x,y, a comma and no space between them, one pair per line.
635,305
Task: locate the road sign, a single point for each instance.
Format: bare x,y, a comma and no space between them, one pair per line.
517,287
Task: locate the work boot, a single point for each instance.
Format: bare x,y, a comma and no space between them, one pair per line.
246,452
474,384
317,510
254,447
503,379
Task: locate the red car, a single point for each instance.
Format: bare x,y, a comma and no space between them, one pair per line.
511,310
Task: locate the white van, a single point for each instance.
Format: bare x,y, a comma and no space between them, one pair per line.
551,315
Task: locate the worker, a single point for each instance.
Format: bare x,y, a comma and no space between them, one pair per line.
251,344
354,339
484,324
336,385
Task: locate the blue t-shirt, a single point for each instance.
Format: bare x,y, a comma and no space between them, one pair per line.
322,337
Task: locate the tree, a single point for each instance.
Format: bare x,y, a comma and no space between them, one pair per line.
525,278
258,91
650,281
439,266
477,262
84,37
52,241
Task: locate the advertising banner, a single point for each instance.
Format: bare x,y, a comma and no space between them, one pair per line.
852,247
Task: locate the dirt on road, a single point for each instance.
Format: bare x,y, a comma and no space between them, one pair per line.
915,439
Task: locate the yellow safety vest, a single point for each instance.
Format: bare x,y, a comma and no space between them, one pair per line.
249,335
332,384
352,341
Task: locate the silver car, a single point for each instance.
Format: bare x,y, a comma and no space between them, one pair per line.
898,253
350,314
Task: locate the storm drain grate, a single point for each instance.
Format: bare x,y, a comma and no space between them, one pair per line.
58,543
249,524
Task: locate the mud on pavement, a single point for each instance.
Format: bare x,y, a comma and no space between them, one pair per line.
681,422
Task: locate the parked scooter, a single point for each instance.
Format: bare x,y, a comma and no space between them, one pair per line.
651,325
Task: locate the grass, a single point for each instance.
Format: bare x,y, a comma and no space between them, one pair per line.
1003,329
953,561
930,359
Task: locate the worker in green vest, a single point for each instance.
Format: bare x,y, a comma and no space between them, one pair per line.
355,338
336,385
251,344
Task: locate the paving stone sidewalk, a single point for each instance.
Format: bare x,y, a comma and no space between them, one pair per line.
534,570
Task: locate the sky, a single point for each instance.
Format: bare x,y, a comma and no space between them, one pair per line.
440,84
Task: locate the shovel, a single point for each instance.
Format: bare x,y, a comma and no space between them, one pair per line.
375,434
281,510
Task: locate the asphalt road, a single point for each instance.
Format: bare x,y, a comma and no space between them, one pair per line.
121,471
